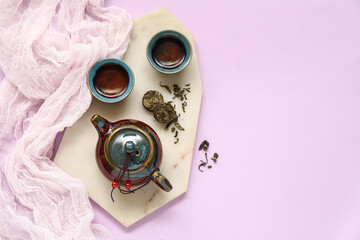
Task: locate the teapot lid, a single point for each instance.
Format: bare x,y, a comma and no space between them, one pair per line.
129,139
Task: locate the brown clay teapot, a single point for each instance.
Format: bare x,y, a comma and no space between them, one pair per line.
129,153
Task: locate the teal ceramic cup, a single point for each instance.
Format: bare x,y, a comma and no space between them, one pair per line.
169,52
110,80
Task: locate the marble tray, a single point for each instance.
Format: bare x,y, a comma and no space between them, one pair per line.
76,153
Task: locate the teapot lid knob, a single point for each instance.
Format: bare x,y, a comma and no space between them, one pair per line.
129,147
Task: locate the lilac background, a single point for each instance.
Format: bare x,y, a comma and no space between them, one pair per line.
281,106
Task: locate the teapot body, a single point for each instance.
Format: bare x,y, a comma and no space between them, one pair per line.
132,140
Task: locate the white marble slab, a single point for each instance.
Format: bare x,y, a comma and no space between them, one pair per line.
76,153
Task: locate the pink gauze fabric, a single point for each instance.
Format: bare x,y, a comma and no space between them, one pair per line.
46,50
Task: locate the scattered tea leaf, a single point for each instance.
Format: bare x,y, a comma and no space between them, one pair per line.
176,88
202,164
179,127
184,104
166,112
215,157
204,145
179,95
168,125
165,86
178,92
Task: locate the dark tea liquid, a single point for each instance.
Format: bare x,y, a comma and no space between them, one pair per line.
111,80
169,53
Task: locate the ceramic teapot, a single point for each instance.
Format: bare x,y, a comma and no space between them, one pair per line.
129,153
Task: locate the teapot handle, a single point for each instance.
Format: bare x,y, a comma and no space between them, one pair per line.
161,181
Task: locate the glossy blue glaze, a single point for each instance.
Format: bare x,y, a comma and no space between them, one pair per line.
138,144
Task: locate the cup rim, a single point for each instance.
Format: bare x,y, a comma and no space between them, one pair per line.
92,73
177,35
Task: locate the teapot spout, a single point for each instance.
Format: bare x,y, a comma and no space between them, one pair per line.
101,124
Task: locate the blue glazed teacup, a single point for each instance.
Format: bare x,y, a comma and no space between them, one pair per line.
169,52
110,80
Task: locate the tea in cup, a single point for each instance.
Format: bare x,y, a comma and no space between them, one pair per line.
169,52
110,80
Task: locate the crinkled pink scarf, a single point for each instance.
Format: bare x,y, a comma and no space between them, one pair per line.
46,50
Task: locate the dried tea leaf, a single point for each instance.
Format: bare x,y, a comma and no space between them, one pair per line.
164,113
184,104
215,157
151,99
173,129
177,140
165,86
180,95
206,158
179,127
204,145
209,166
202,164
176,88
176,133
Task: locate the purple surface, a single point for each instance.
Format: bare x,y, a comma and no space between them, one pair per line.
281,106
